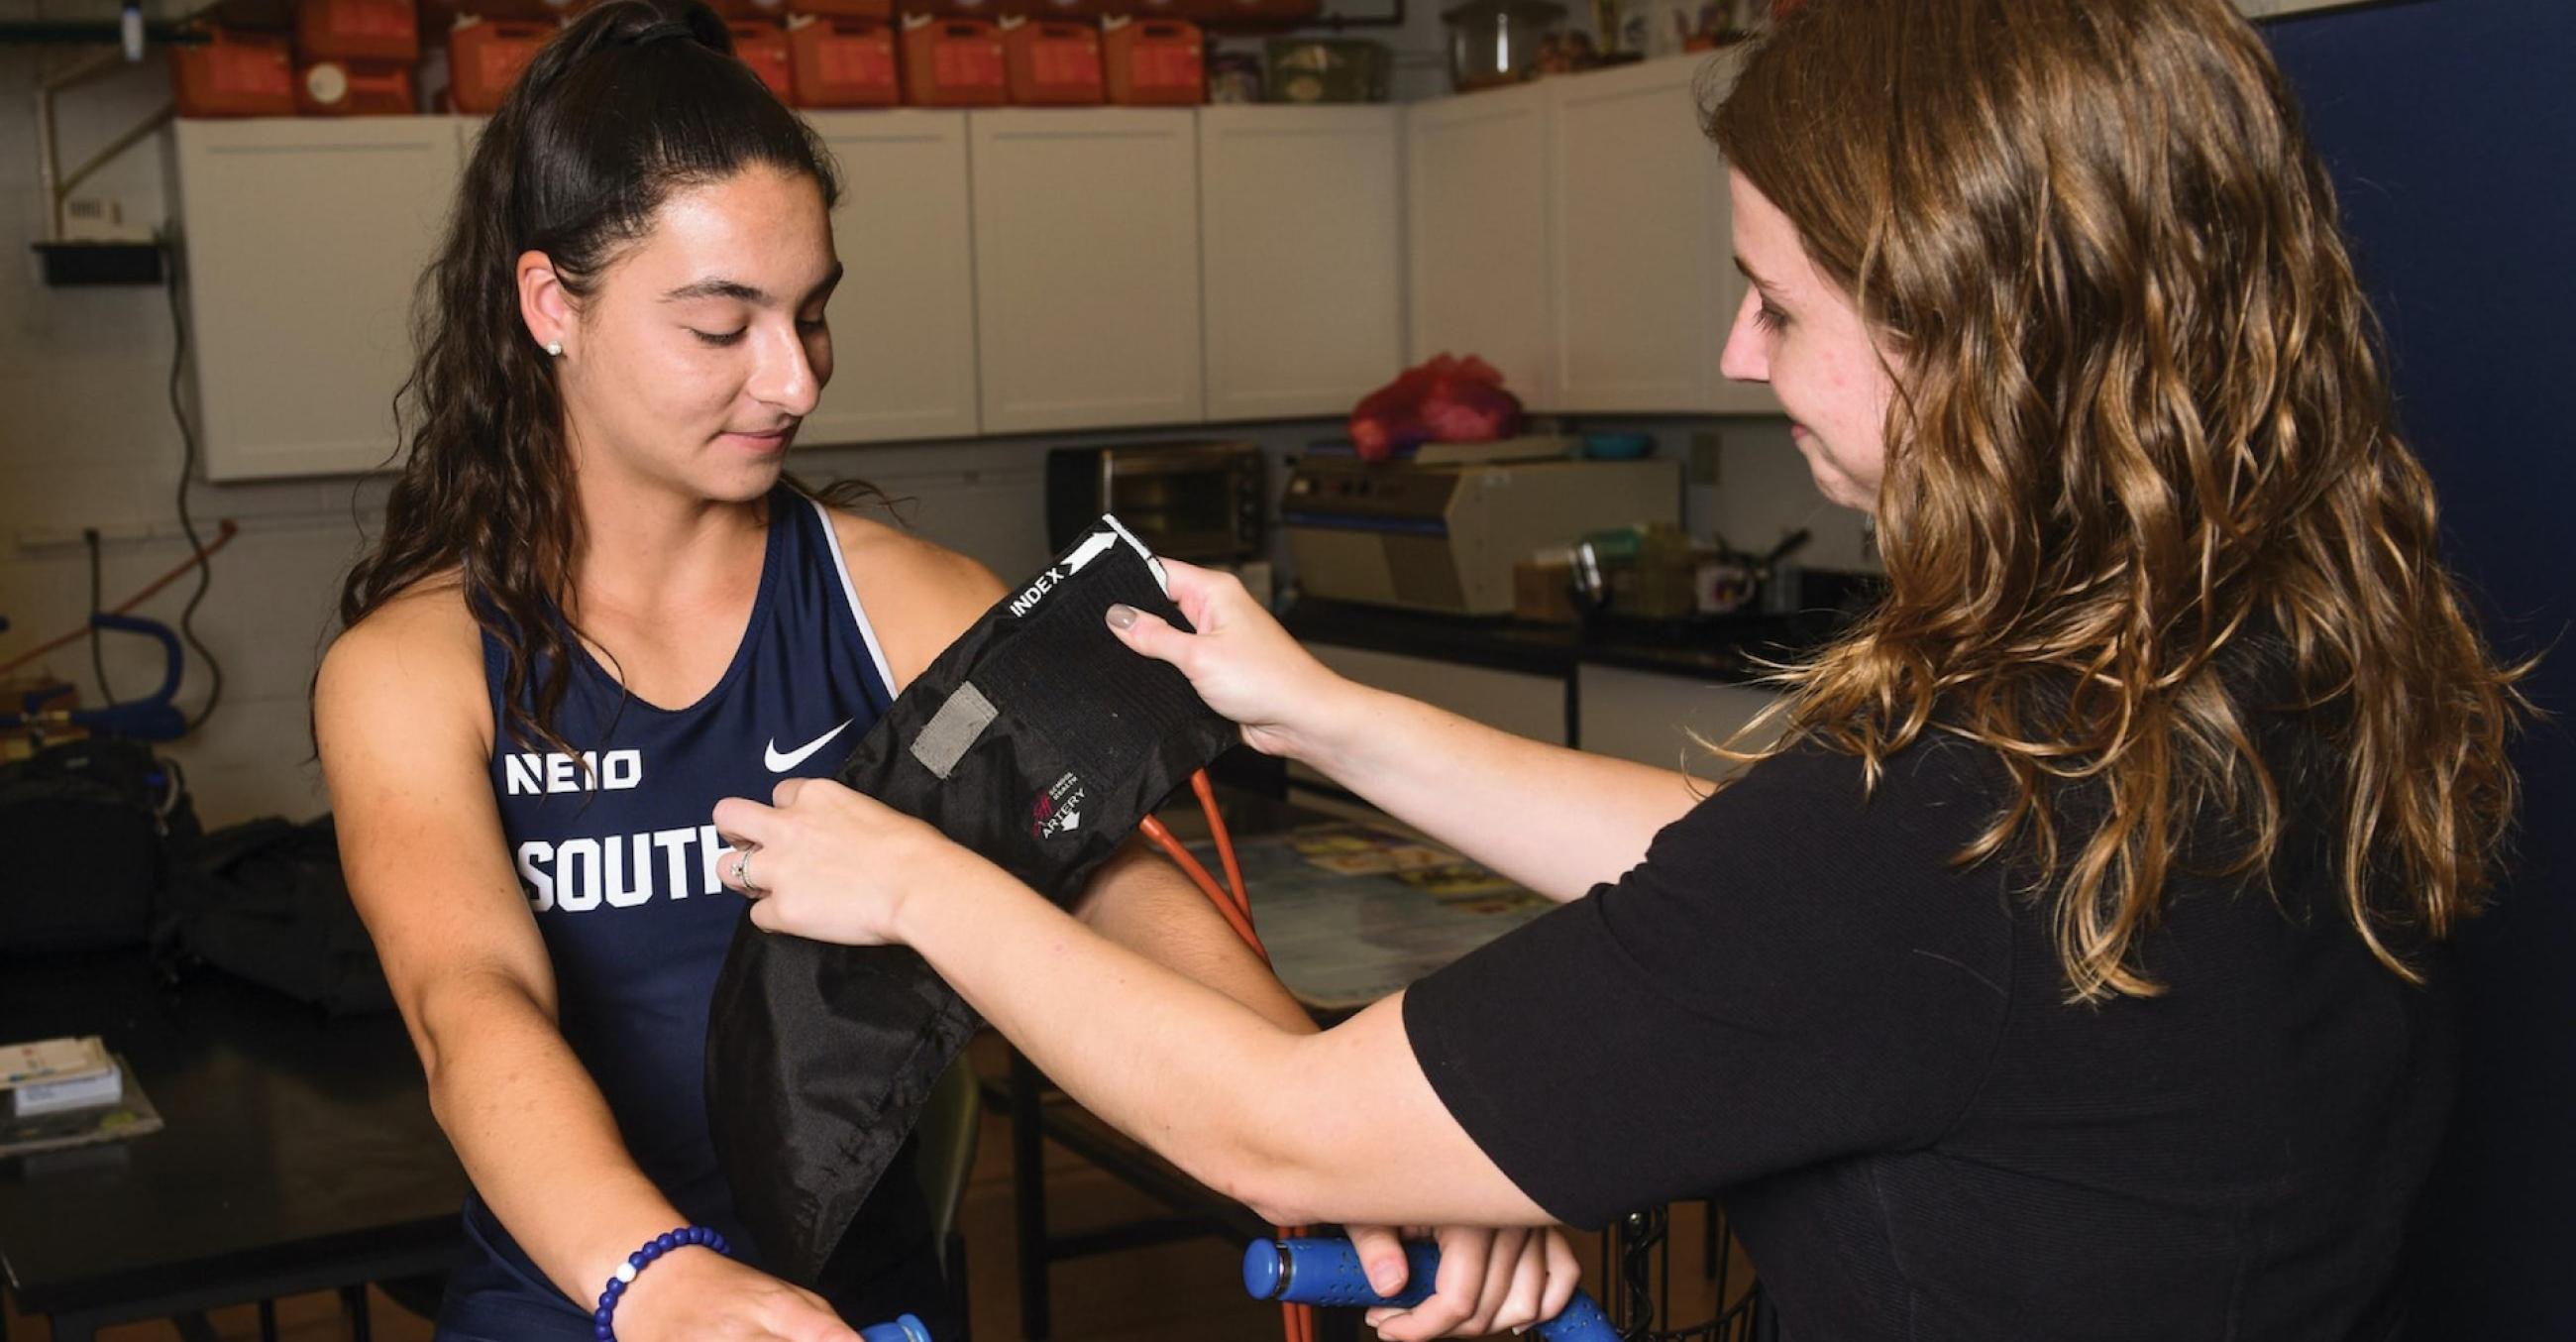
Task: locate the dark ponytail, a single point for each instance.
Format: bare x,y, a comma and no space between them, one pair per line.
631,101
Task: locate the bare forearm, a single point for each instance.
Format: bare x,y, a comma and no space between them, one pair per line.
1343,1123
1152,1052
1555,820
1339,1126
1144,903
536,1137
1239,976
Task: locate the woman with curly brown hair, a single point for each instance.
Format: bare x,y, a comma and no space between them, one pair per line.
2073,967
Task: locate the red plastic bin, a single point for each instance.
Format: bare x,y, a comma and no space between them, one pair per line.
987,10
355,88
1250,13
484,58
1154,62
437,16
843,62
763,47
1052,62
953,63
880,10
233,75
384,31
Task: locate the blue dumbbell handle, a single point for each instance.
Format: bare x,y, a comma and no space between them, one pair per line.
1328,1272
904,1329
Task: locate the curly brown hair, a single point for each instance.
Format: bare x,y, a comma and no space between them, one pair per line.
2142,423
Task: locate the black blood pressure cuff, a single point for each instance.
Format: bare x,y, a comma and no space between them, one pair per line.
1038,740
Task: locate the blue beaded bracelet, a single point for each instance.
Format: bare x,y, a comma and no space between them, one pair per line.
639,1260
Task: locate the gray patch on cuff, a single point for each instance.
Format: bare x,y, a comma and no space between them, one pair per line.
953,730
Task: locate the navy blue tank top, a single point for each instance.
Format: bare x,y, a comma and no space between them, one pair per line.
615,852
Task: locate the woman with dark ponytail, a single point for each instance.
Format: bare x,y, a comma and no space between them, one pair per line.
598,606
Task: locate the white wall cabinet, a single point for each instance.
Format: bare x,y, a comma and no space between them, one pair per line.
1022,271
1649,718
1477,224
1626,714
1645,285
1087,267
1575,232
2273,9
304,238
1514,701
1300,215
903,320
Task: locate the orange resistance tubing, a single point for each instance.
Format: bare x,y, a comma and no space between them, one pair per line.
1297,1321
1224,842
1233,907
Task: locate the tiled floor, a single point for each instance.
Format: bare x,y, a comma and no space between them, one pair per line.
1182,1292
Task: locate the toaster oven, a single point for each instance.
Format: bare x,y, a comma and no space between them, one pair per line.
1198,502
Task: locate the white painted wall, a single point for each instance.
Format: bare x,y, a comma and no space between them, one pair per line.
86,438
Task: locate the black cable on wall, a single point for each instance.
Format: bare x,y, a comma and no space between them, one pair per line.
187,523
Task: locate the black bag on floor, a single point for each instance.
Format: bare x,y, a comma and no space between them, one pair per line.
264,901
1038,740
88,826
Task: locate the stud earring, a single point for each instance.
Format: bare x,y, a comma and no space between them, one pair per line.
554,349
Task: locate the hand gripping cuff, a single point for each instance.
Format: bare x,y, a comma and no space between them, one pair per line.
1038,740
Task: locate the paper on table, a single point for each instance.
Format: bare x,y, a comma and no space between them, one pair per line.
52,1060
54,1094
131,1116
1351,914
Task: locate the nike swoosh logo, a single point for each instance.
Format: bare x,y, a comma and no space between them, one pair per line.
779,764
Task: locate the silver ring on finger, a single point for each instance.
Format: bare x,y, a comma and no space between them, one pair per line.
742,870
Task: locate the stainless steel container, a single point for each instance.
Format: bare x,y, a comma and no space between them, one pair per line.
1493,42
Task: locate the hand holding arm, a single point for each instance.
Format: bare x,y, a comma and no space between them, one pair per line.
1340,1126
